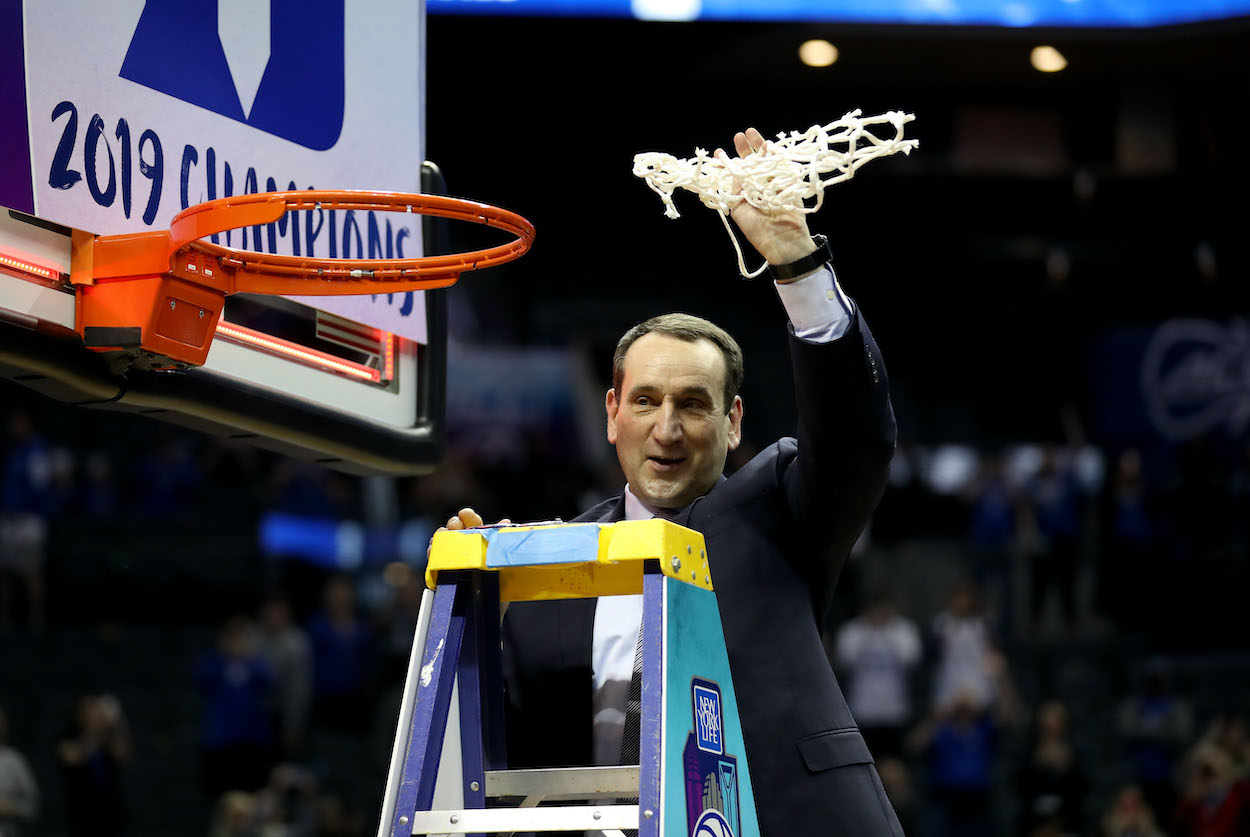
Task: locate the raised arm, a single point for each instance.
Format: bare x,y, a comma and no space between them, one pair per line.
846,425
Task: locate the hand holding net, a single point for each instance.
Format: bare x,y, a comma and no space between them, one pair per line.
788,175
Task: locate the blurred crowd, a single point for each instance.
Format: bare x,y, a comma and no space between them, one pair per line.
986,575
961,754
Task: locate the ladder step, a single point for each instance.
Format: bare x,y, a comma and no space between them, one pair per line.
489,820
564,783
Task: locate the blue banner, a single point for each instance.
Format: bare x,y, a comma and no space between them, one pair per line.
1013,13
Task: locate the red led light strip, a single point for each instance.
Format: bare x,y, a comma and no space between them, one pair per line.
302,354
17,266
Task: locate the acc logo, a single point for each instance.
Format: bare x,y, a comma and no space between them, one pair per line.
1195,378
708,721
712,824
277,66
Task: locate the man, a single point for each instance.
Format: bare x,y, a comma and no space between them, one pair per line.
777,532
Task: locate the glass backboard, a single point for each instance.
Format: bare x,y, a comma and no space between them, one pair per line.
134,121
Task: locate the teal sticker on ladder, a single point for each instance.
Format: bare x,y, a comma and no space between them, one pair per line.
707,786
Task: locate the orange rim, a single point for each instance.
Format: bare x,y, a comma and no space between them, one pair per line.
268,273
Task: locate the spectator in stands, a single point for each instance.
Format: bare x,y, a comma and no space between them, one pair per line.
1155,725
965,649
992,532
1130,816
234,815
98,498
19,794
960,743
397,621
1054,515
168,477
307,490
878,649
1130,578
288,651
26,501
287,806
92,754
1052,784
1230,734
896,780
342,648
1216,802
238,687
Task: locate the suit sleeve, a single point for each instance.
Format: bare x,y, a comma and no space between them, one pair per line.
846,438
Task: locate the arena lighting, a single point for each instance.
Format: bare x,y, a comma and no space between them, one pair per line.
301,354
818,53
673,10
1047,59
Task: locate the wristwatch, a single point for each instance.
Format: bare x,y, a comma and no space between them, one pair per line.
823,254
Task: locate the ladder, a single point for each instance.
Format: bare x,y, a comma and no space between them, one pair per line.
448,773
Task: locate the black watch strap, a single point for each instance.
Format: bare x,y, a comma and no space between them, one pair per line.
821,256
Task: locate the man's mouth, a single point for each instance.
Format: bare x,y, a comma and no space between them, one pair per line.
666,463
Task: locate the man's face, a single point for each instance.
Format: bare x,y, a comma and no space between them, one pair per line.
668,422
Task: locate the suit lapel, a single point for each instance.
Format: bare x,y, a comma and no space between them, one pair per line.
615,513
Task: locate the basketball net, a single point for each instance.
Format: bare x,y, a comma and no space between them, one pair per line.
781,177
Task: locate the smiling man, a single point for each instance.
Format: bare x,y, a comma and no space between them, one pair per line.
678,413
778,532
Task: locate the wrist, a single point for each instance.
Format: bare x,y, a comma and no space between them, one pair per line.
814,256
791,249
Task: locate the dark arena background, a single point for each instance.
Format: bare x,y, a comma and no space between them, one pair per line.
1059,281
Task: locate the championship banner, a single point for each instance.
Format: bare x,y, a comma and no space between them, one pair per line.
132,111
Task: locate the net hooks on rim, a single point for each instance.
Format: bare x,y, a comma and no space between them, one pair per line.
781,177
257,272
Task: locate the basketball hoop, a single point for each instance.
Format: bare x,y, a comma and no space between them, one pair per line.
161,293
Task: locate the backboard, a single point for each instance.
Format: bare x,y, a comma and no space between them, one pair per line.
131,120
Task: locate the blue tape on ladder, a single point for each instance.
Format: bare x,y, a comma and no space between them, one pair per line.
567,544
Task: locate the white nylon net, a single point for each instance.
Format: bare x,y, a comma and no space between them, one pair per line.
784,176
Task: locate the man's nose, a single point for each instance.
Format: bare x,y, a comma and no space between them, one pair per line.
667,429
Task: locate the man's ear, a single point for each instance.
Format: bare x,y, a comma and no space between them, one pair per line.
611,406
735,423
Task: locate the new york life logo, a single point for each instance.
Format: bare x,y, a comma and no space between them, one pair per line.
708,722
277,65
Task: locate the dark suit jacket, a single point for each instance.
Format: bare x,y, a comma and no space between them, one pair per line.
778,532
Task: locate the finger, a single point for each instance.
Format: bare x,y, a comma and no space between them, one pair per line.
470,518
724,158
741,144
755,139
507,521
454,523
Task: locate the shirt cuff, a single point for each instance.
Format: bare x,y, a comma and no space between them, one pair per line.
818,309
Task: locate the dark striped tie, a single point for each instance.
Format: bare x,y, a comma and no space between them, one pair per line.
633,721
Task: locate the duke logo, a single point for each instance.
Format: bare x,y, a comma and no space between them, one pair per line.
291,84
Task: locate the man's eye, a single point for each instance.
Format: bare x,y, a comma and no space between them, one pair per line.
693,405
642,401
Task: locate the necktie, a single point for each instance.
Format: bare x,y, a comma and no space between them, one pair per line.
633,709
633,721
